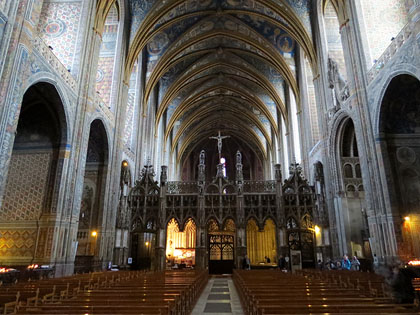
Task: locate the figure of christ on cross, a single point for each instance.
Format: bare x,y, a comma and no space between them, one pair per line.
219,139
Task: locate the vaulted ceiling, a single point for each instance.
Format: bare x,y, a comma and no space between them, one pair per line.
220,65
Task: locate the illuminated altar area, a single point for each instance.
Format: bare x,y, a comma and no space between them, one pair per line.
261,244
180,245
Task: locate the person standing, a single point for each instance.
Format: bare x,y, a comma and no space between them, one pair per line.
375,263
282,263
355,264
345,263
246,263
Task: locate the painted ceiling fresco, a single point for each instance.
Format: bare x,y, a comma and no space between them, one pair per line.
220,65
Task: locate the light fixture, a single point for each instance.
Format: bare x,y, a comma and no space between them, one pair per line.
125,163
407,219
317,229
94,233
147,243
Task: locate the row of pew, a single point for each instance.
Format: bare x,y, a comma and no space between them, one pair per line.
265,292
117,293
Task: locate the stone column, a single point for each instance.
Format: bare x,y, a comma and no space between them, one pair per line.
324,103
141,118
86,91
379,224
304,113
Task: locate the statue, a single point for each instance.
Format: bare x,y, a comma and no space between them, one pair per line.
238,157
219,139
337,83
163,175
202,167
202,157
277,172
318,172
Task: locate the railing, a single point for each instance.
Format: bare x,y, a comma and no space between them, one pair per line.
174,188
259,186
390,52
54,62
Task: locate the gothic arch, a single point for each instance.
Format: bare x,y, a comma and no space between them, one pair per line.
404,69
212,219
47,77
107,132
339,122
229,219
399,138
186,220
36,179
177,221
94,214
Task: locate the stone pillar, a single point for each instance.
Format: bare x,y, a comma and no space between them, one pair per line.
304,113
141,147
86,91
201,251
379,224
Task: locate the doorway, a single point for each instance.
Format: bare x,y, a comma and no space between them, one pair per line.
221,248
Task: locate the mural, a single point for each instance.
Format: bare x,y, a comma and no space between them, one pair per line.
138,10
131,110
106,60
277,36
58,26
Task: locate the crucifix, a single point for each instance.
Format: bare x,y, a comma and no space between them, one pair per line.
219,139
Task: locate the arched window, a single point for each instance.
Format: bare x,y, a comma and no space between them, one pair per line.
348,171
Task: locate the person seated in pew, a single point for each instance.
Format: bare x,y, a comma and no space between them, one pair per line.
330,265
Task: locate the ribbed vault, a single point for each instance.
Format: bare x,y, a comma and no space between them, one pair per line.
219,65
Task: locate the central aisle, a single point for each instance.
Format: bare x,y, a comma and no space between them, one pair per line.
219,297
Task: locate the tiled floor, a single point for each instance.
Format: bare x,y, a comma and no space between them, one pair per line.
219,297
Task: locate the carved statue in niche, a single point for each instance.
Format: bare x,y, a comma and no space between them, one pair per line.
238,157
337,83
239,173
202,156
202,167
163,175
86,207
318,172
277,172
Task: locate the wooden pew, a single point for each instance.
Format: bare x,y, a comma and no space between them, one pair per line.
274,292
172,293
